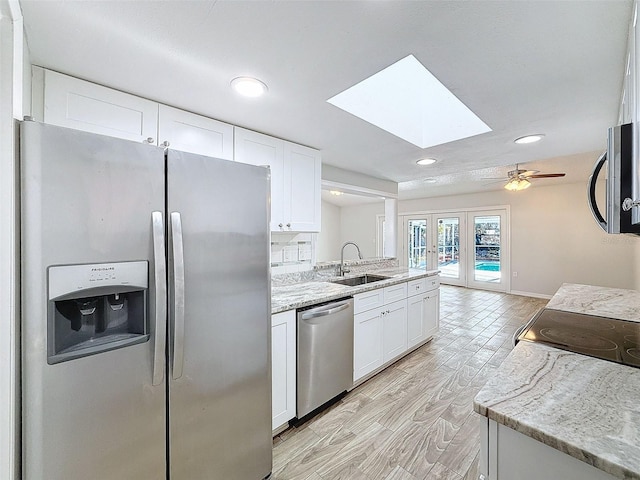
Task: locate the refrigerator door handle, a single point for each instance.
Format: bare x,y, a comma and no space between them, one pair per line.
177,301
160,278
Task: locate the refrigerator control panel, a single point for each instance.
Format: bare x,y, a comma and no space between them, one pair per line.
69,279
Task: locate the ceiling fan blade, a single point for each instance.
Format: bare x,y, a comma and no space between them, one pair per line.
546,175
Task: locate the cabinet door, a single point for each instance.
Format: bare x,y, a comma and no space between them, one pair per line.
283,367
193,133
415,320
73,103
394,328
367,343
431,313
258,149
302,188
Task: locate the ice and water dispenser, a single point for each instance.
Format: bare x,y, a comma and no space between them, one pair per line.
95,308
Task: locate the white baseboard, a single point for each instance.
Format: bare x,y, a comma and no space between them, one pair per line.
530,294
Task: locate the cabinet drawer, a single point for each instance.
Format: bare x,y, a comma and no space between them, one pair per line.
432,283
395,293
414,287
367,300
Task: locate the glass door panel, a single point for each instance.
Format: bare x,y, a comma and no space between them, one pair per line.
448,248
417,243
487,249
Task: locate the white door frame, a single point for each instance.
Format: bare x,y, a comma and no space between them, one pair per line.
504,285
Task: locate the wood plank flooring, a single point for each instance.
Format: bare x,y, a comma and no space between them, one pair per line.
415,419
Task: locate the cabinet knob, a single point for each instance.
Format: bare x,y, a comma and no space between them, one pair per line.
149,140
482,477
166,143
280,225
288,225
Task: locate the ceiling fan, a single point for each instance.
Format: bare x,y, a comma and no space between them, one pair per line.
518,179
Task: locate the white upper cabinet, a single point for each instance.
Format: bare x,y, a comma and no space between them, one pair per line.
302,187
258,149
73,103
295,179
70,102
193,133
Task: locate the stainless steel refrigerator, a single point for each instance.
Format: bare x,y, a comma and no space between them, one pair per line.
145,311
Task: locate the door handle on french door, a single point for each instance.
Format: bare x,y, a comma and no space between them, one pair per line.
160,300
177,300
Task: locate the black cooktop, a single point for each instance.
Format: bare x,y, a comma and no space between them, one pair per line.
600,337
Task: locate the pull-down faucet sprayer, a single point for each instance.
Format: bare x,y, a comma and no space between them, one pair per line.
343,270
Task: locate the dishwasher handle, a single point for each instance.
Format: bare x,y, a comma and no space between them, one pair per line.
325,310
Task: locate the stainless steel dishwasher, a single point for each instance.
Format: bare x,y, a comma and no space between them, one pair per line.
325,353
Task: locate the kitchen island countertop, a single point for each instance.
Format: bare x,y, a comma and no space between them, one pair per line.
585,407
298,295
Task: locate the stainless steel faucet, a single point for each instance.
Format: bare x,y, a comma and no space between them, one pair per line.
343,270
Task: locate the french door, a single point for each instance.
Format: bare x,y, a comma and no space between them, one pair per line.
469,248
488,262
432,242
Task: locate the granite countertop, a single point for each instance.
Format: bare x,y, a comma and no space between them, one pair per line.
585,407
298,295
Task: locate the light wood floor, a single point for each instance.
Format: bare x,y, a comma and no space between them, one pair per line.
415,419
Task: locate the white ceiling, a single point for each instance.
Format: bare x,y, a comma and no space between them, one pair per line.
552,67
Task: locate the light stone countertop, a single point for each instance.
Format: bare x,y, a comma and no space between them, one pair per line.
585,407
298,295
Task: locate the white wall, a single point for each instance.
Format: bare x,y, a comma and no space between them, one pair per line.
328,246
13,63
358,224
554,238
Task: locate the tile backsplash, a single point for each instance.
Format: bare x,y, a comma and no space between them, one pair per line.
292,252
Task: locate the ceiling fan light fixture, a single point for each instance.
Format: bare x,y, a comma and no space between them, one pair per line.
517,184
249,86
426,161
529,139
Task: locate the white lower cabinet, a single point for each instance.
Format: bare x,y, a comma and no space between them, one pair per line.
394,330
283,367
423,311
415,320
507,455
367,343
387,324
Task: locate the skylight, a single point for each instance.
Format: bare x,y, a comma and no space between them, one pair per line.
406,100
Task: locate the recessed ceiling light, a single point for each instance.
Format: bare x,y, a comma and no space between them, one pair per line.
529,139
335,192
408,101
429,180
248,86
426,161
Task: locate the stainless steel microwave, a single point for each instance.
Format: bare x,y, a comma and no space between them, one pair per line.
619,183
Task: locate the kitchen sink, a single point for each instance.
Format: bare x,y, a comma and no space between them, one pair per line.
361,280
